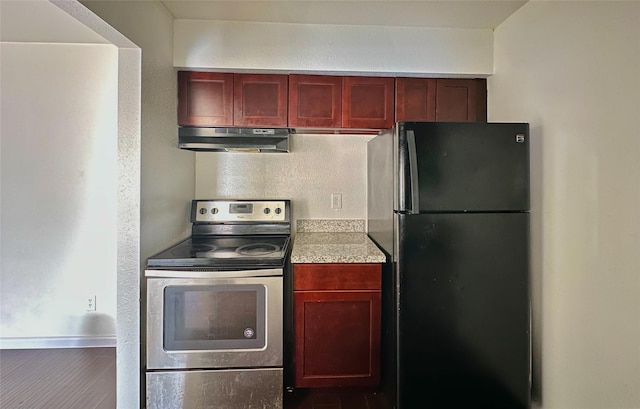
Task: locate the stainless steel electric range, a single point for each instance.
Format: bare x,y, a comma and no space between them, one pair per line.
215,309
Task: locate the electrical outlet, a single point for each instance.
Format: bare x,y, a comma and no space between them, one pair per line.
91,303
336,200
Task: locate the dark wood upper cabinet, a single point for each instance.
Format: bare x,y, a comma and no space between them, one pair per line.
315,101
367,102
415,99
461,100
260,100
353,104
205,99
337,324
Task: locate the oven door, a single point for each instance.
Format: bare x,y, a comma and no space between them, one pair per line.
200,323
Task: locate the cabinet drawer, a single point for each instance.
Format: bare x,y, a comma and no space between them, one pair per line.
313,277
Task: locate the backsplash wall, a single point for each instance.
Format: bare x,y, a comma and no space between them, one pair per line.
315,167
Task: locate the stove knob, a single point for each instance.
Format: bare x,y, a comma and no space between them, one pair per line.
267,210
202,210
214,210
278,210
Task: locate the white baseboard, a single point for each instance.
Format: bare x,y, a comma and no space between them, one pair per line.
57,342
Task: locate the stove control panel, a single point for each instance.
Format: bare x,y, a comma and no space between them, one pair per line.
219,211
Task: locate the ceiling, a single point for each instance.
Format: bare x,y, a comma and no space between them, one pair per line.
42,22
480,14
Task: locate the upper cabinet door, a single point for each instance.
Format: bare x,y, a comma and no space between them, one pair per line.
315,101
461,100
367,102
415,99
205,99
260,100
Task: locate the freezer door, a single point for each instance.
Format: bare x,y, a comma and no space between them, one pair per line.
463,323
463,167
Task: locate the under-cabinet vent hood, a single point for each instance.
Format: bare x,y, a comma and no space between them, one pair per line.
234,139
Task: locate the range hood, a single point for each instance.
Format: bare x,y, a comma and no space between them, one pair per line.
226,139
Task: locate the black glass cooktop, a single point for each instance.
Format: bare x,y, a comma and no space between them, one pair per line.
224,251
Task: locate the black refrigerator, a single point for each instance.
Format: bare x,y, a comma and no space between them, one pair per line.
449,203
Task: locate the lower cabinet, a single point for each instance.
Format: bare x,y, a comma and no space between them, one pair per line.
337,324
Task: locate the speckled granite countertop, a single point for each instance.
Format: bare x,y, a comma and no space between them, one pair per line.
334,241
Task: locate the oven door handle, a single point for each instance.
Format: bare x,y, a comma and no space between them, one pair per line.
213,274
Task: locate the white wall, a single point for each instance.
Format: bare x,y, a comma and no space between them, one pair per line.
236,46
59,190
317,166
167,173
67,21
572,69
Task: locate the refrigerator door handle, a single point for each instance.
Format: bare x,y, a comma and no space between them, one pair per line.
414,185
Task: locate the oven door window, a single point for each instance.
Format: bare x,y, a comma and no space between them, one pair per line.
215,317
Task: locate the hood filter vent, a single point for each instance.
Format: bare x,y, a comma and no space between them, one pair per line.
234,139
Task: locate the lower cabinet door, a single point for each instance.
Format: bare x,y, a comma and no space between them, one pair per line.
337,338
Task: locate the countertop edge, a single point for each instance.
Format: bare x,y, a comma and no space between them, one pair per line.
325,252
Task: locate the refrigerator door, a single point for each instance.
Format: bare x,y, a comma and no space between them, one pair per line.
462,167
464,323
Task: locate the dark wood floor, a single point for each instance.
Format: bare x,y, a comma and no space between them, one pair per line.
335,399
75,378
86,379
